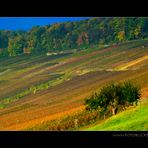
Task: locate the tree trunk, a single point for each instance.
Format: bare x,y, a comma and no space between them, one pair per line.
114,111
34,91
104,116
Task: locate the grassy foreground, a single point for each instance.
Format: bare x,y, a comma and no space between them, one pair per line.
133,119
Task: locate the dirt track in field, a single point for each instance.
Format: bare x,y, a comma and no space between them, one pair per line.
134,62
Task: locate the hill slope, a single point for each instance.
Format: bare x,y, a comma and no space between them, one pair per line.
35,88
133,119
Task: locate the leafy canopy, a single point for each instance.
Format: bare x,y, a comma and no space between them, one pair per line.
113,97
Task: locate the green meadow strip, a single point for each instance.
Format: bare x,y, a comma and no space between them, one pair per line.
34,89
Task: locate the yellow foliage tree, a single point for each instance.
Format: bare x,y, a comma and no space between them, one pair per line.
121,36
137,31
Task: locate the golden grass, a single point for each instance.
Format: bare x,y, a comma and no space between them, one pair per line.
31,123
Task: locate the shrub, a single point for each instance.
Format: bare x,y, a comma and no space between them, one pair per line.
69,122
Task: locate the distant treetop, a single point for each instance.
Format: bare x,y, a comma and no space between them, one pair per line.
69,35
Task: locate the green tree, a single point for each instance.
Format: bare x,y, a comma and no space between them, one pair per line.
137,31
113,96
16,45
129,94
121,36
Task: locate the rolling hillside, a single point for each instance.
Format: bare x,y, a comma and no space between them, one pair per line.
38,88
137,115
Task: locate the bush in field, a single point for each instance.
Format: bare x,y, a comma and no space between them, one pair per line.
69,122
113,97
73,122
